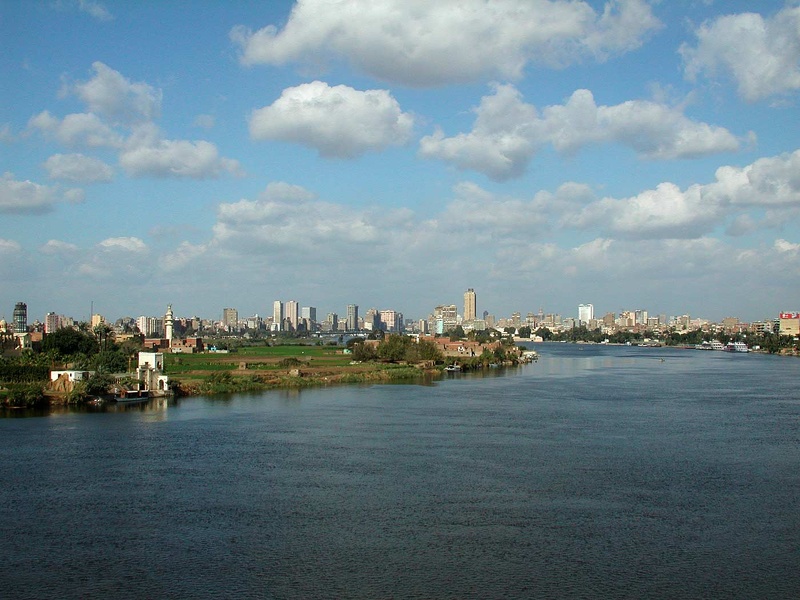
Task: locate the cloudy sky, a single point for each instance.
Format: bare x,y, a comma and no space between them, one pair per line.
393,153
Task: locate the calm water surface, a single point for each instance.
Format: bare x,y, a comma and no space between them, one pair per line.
598,472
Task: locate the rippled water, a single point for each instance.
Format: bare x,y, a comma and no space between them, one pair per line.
598,472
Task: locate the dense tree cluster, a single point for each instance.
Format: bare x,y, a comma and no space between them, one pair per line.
24,376
397,348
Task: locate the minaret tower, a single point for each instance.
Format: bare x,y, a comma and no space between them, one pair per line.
168,322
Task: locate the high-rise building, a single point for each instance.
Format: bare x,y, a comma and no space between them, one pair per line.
292,313
150,326
392,320
230,318
20,317
277,315
470,305
310,313
352,317
445,318
585,313
97,320
332,322
52,321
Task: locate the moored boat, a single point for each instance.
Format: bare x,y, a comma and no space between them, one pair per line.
736,347
123,395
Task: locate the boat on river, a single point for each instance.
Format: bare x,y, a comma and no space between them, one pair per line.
736,347
129,396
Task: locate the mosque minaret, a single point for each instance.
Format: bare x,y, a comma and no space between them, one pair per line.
168,323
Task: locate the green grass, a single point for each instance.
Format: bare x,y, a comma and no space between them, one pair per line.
314,356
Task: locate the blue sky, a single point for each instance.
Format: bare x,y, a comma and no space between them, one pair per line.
628,154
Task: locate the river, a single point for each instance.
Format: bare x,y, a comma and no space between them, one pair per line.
597,472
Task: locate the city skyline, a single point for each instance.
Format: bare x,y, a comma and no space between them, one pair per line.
388,154
582,314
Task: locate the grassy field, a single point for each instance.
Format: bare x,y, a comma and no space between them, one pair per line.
268,367
256,358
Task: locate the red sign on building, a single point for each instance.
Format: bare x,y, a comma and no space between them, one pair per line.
788,315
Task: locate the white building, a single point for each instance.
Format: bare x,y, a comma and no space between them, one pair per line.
585,313
151,372
277,315
72,376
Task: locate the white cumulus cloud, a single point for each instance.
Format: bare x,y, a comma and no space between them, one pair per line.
57,247
77,129
79,168
762,55
768,182
669,212
25,197
146,153
338,121
9,246
665,212
423,43
508,132
784,246
114,96
125,244
484,214
290,220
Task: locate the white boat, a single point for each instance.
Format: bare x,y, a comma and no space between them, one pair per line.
717,345
452,368
737,347
530,356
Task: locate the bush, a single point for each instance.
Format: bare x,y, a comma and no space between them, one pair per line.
78,394
364,352
99,384
16,373
225,383
25,395
289,362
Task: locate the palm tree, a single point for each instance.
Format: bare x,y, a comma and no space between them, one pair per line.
102,332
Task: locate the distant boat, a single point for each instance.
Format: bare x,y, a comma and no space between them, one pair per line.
452,368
